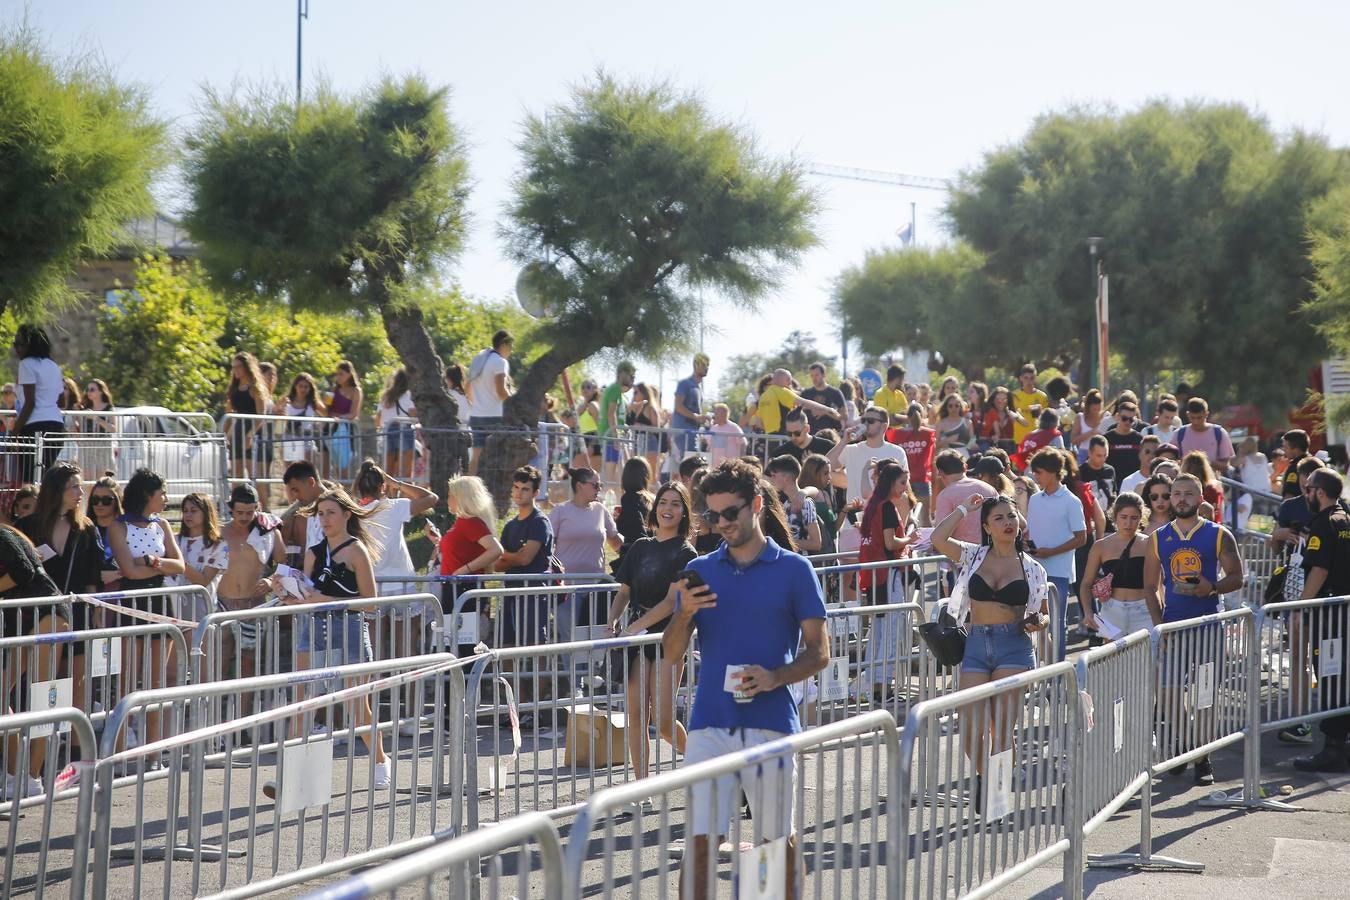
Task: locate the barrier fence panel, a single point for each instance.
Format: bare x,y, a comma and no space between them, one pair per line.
545,742
1116,762
282,796
1259,559
27,616
876,662
1303,661
499,856
276,637
987,780
820,818
259,447
520,616
188,462
17,465
46,840
94,669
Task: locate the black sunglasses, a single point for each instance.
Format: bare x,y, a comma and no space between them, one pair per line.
102,501
872,420
730,514
1153,497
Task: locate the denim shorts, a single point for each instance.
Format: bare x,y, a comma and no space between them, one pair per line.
478,423
399,436
993,647
342,638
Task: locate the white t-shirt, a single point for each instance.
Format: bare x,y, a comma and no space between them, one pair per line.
1133,481
398,411
855,458
387,522
1052,519
1166,435
484,369
201,557
461,408
48,385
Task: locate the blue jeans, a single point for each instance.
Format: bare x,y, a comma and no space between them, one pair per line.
990,648
1061,613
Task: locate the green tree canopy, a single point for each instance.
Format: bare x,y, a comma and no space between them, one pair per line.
1204,214
78,152
632,198
345,203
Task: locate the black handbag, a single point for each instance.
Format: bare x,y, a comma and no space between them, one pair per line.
945,639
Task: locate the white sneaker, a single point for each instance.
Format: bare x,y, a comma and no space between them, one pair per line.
30,787
381,781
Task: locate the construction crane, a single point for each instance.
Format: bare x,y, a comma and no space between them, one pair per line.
896,179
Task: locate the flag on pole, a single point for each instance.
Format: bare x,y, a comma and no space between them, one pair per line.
906,234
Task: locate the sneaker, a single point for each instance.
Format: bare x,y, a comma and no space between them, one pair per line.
70,776
1332,758
1295,734
382,780
1204,772
17,788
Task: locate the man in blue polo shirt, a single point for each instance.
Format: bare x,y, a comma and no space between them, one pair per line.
759,603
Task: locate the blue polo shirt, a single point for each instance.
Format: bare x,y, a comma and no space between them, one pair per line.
757,621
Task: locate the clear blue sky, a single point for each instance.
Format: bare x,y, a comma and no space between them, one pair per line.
917,88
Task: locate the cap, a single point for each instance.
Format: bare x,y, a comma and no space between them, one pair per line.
1168,448
988,465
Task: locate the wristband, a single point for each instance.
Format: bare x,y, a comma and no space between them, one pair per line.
963,510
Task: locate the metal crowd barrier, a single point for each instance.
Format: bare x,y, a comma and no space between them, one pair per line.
315,817
911,579
94,669
41,837
1259,560
544,741
188,462
987,786
1116,763
267,639
521,616
37,609
453,868
630,829
1242,502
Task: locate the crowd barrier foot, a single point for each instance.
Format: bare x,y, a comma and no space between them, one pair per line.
1137,862
1238,800
206,853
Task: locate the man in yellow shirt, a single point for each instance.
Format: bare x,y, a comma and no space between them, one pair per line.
778,399
1028,401
892,397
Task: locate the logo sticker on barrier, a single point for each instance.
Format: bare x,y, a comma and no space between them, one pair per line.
998,785
1330,655
834,680
762,872
842,626
1118,722
1204,685
309,776
466,630
43,695
105,657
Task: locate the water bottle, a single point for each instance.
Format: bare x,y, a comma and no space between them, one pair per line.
609,499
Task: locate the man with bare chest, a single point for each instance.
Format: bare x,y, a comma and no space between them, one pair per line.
253,541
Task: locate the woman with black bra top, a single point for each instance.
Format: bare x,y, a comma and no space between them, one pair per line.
1120,555
1004,591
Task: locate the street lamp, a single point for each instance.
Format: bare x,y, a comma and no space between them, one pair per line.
1094,366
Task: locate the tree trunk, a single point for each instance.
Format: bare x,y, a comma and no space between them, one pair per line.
406,329
509,451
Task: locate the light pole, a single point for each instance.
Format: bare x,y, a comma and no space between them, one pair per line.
1094,365
301,13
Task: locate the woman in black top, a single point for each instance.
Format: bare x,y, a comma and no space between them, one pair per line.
647,584
69,546
340,567
635,505
246,396
22,577
1120,555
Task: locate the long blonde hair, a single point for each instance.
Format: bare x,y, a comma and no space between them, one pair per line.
473,500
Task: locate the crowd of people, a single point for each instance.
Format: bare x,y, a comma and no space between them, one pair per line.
1040,498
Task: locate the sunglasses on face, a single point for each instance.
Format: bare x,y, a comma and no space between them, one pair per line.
730,514
871,420
797,433
102,501
1154,498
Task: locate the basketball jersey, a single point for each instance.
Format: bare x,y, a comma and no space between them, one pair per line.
1188,556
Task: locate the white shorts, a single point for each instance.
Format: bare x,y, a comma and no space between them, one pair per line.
770,786
1127,615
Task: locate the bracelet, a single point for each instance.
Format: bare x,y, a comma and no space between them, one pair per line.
963,510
